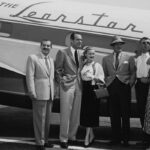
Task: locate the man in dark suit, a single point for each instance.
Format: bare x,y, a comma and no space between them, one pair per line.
68,66
119,69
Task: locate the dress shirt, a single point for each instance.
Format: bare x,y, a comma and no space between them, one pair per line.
44,58
119,56
88,73
142,66
73,52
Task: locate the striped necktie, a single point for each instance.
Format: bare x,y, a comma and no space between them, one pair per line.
47,64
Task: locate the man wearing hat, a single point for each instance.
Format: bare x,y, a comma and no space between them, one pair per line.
119,69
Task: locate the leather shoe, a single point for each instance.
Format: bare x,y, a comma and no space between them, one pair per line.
143,143
125,143
63,144
87,145
112,143
40,147
92,141
48,145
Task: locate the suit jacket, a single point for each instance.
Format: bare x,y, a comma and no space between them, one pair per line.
66,68
40,81
125,71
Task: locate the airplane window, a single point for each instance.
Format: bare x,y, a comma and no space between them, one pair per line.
5,29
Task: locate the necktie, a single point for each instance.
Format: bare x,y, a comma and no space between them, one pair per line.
47,64
117,60
76,58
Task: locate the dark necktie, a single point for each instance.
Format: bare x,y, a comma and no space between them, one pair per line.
117,60
47,64
76,58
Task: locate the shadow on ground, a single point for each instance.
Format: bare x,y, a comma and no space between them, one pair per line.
96,146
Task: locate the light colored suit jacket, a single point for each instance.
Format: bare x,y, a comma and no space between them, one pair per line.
66,68
125,71
40,81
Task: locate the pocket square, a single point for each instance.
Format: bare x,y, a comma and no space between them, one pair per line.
125,62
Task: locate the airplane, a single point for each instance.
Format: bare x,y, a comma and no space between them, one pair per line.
23,24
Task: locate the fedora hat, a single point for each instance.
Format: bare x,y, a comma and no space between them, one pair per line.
117,39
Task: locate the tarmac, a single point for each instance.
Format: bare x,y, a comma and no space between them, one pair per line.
16,132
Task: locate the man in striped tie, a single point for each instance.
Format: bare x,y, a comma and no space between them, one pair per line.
40,83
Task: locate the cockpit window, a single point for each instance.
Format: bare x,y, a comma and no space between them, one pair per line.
5,29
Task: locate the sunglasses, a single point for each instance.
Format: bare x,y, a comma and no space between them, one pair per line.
146,43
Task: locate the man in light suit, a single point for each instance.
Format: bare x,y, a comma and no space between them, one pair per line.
40,83
119,69
67,71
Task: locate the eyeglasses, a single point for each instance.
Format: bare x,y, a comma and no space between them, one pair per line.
146,43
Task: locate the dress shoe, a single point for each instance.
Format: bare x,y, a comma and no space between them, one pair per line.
114,142
89,144
92,141
86,143
125,143
143,144
63,144
48,145
86,146
40,147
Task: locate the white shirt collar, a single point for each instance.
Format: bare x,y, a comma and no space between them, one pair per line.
72,50
145,54
43,56
120,53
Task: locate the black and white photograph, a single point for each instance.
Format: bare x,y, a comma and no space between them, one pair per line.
74,75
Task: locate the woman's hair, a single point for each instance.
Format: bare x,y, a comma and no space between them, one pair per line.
86,49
